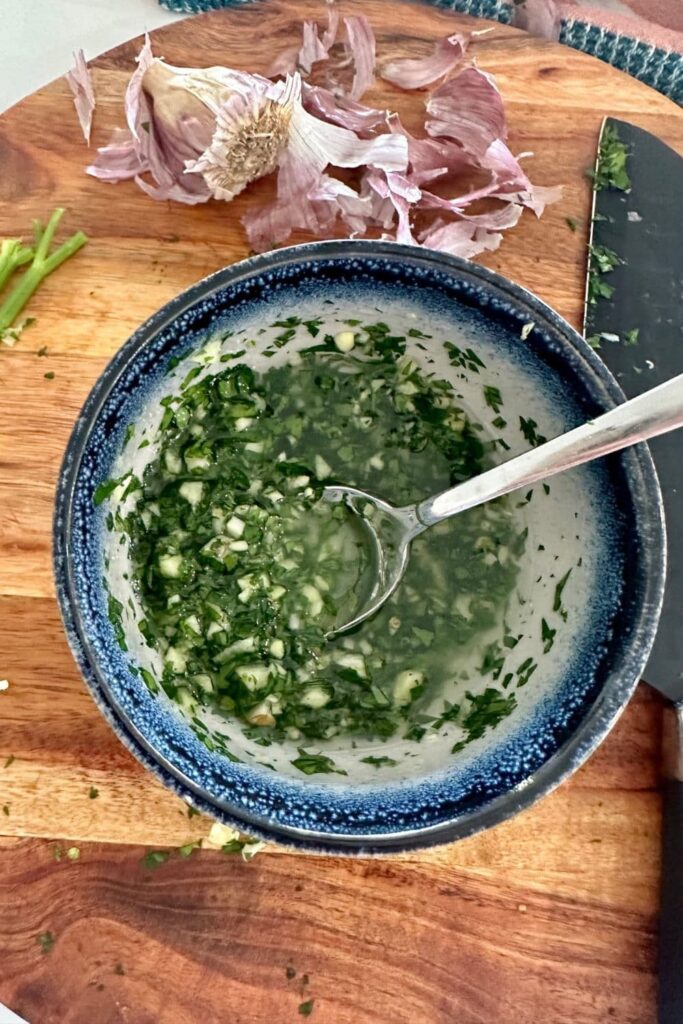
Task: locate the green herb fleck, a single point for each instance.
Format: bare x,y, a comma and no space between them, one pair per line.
487,710
467,359
233,846
631,337
572,223
306,1009
186,850
559,588
103,490
493,398
379,762
5,810
316,764
528,428
612,158
154,858
46,942
192,812
50,375
547,636
73,853
42,351
93,793
601,260
10,760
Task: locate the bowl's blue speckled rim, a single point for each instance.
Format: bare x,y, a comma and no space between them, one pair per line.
618,686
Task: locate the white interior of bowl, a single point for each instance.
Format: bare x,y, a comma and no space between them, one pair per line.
564,530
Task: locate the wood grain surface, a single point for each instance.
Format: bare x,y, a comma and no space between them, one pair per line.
547,919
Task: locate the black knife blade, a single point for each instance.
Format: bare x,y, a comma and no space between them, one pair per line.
644,227
633,316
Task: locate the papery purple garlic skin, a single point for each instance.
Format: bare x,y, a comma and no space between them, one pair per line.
196,134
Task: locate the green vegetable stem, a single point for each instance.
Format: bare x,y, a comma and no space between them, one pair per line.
41,266
12,255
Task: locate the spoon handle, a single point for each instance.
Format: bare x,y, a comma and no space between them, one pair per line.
654,412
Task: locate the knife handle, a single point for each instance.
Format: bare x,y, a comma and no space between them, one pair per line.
671,898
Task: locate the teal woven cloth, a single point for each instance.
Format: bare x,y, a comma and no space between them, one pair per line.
659,68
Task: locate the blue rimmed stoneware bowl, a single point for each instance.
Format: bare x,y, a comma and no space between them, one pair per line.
604,522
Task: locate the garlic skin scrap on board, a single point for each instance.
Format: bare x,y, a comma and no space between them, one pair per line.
195,134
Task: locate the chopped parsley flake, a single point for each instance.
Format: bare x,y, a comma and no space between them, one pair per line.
528,428
493,398
612,159
547,636
559,590
379,762
316,764
154,858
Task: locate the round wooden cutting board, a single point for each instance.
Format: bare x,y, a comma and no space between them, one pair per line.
549,917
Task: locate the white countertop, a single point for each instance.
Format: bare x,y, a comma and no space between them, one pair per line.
39,36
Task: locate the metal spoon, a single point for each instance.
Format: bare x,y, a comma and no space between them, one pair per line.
391,530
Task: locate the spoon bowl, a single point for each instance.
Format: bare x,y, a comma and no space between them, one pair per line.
389,532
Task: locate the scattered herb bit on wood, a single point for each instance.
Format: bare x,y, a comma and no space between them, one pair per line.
233,846
50,375
572,223
10,760
192,812
290,972
306,1009
118,969
186,850
42,351
93,793
154,858
5,810
73,853
46,942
